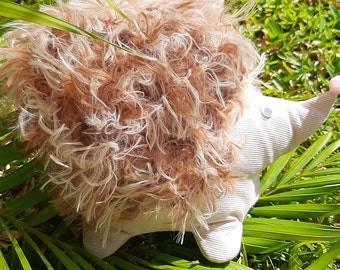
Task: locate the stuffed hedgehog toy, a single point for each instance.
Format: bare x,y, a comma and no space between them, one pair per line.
174,141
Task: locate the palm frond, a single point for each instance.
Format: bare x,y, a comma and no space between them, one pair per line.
299,203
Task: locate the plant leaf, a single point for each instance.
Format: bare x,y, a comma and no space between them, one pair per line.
15,245
15,11
10,152
3,263
173,260
318,181
324,260
291,230
7,123
124,264
323,155
236,266
272,173
302,194
64,259
75,256
35,247
19,176
258,245
42,216
298,211
125,17
302,160
34,197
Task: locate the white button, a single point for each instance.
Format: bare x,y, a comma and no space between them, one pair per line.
267,112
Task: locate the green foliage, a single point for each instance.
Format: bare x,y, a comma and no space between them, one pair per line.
300,202
301,42
294,225
15,11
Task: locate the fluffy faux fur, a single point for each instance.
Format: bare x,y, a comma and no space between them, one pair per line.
120,134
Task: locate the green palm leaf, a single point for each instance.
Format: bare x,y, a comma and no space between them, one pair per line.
261,245
16,247
3,263
14,11
36,248
296,211
294,189
21,175
10,152
290,230
305,158
326,258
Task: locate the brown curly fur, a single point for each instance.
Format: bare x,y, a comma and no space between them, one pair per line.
121,134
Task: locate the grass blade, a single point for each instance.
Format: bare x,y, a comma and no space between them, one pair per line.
323,155
3,263
15,245
332,159
236,266
19,176
7,123
258,245
21,226
324,260
103,264
34,197
273,172
35,248
328,171
298,211
140,261
294,260
42,216
75,256
299,163
301,194
173,260
279,229
10,152
60,254
125,17
15,11
318,181
123,264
